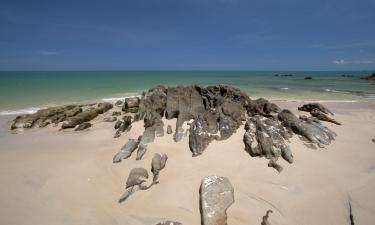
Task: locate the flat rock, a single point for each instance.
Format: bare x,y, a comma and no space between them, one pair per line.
216,196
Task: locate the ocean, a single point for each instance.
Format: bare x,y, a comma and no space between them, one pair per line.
27,91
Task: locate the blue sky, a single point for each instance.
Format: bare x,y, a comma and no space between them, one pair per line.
187,34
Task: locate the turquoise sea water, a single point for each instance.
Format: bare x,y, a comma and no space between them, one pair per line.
30,90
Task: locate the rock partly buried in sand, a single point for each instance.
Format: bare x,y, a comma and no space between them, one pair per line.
314,132
216,196
157,164
138,176
169,129
131,105
83,126
87,115
44,117
126,151
315,106
265,218
169,223
265,137
369,77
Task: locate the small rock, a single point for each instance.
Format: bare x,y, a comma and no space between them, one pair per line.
169,129
373,140
119,103
83,126
169,223
116,113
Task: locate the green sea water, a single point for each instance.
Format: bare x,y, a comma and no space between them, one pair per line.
24,91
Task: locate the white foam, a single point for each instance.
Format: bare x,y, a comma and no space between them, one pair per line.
284,88
127,95
17,112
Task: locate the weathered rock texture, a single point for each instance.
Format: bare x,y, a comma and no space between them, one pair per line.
131,105
216,196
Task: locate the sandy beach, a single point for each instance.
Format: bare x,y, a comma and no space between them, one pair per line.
65,177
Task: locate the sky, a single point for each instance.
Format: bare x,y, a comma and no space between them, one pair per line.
187,35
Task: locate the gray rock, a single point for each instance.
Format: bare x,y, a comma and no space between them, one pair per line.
216,196
142,148
314,132
136,176
322,116
199,137
83,126
119,103
169,129
126,151
118,124
373,140
157,164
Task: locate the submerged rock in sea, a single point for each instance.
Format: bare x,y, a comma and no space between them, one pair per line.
216,196
369,77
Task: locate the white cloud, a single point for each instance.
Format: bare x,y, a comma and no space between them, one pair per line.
48,52
339,62
343,62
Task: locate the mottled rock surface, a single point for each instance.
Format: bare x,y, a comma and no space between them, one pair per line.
126,151
216,196
83,126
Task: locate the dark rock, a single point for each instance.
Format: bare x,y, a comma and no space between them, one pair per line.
86,115
131,105
216,196
119,103
265,218
169,129
315,106
369,77
116,113
312,131
199,137
83,126
373,140
44,117
262,107
124,125
321,116
308,78
110,119
126,150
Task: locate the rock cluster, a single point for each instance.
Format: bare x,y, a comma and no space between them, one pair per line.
138,176
71,115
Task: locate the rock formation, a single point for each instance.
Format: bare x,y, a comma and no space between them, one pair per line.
369,77
319,112
131,105
216,196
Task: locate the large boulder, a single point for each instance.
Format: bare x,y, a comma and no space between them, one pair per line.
216,196
131,105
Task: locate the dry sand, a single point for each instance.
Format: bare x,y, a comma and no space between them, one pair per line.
50,177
